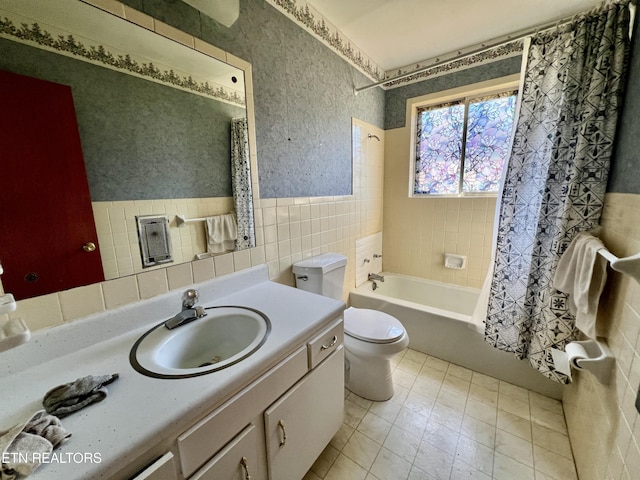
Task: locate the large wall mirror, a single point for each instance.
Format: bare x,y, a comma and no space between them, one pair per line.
163,127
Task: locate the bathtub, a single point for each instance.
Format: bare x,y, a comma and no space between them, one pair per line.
437,317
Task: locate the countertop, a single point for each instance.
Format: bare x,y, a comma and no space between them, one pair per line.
142,414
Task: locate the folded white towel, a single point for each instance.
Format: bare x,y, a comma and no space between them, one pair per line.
581,274
222,232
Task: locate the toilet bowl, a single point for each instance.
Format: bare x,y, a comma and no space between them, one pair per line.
372,337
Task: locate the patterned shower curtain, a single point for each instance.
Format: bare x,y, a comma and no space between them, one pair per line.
556,178
241,183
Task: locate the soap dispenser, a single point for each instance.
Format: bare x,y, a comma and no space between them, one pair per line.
14,331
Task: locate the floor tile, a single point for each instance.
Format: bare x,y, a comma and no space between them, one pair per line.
514,447
446,422
345,469
479,431
390,466
507,468
403,443
514,424
434,461
361,449
552,440
441,437
374,427
554,465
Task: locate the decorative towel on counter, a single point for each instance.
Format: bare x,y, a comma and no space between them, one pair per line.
71,397
24,447
222,232
581,274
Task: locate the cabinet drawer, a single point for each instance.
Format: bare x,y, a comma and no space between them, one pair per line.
324,344
210,434
162,469
236,461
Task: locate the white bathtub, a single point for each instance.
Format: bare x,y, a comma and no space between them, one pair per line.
437,317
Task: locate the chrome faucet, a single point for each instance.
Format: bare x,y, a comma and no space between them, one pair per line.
376,277
189,298
189,313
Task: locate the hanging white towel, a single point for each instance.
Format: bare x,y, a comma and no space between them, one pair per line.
581,274
222,232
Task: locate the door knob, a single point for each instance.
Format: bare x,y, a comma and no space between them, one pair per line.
89,247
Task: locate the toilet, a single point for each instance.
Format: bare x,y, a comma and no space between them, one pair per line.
372,337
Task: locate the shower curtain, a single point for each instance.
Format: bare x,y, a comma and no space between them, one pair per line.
555,182
241,183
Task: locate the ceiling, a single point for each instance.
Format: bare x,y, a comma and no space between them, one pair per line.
398,33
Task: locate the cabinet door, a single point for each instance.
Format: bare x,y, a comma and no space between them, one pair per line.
301,423
237,461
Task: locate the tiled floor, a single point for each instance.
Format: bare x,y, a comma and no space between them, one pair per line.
448,422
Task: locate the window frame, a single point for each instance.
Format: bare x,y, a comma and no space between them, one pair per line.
463,94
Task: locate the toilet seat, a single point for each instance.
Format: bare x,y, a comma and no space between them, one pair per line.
372,326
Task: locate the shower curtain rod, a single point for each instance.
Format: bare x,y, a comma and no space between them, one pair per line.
479,48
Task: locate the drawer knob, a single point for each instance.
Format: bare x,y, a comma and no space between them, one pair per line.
245,465
334,340
284,434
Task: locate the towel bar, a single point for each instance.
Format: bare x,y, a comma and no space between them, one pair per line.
629,265
182,219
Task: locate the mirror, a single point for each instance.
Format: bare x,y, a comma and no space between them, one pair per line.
155,119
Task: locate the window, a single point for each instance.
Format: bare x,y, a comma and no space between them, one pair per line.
471,135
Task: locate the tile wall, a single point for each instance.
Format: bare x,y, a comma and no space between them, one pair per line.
118,237
419,231
287,230
603,424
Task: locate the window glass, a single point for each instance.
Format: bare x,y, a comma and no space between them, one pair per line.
489,127
470,136
439,147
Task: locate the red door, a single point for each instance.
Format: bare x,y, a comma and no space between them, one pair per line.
45,209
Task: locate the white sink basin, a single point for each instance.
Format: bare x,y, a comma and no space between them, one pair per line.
226,336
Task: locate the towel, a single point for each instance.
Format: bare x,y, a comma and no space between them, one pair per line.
581,274
222,232
25,446
71,397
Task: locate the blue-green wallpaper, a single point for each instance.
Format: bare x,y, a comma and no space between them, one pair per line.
624,176
140,140
303,93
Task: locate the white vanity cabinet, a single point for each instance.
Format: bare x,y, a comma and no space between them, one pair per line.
300,424
276,427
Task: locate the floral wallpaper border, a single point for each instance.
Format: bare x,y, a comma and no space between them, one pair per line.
497,53
310,19
313,22
68,45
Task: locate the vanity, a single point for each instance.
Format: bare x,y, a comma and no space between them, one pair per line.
267,416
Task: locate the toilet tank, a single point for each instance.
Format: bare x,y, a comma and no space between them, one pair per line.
322,274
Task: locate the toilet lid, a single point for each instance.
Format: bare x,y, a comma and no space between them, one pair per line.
372,325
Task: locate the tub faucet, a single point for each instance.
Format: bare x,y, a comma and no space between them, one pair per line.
376,277
189,313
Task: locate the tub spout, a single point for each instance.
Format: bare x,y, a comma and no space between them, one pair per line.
376,277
